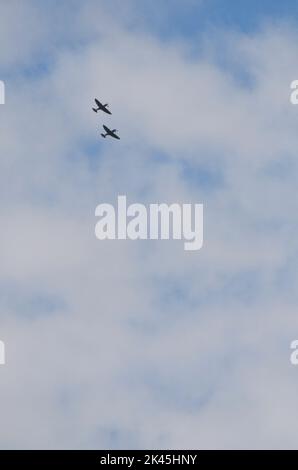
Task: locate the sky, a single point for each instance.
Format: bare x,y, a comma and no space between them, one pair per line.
140,344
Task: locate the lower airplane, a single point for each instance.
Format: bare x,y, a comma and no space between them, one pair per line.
109,132
101,107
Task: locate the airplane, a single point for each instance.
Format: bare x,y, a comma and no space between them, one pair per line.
111,133
101,107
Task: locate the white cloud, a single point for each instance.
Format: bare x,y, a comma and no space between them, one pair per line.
125,344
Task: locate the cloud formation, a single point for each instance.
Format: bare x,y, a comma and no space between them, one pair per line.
128,344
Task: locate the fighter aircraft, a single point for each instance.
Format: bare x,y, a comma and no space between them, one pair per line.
101,107
111,133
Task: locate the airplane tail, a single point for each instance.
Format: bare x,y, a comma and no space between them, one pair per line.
103,135
95,110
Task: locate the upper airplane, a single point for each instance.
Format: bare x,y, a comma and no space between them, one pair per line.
111,133
101,107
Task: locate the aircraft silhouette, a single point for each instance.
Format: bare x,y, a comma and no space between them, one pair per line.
101,107
109,132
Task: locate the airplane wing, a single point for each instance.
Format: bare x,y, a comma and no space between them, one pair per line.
113,134
97,102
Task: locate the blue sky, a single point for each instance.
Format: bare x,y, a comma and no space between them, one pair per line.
196,17
143,345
